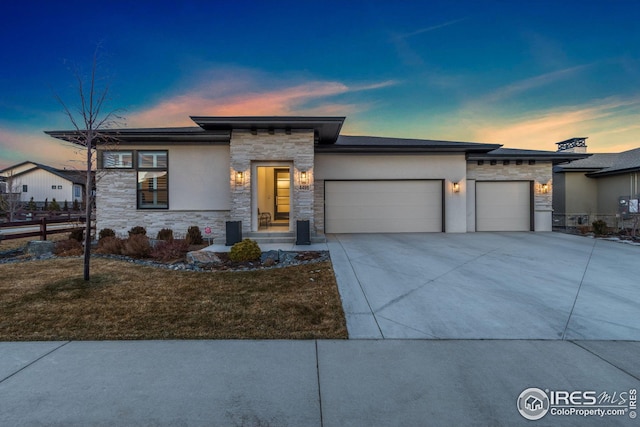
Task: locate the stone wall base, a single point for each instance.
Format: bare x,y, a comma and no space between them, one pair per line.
178,221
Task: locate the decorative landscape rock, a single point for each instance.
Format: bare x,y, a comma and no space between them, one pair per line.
40,248
270,255
287,258
203,258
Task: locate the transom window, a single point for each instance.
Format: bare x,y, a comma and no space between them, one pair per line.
117,159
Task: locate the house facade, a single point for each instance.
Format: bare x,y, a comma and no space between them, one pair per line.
42,182
601,186
269,172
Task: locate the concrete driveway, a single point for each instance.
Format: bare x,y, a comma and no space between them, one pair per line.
488,286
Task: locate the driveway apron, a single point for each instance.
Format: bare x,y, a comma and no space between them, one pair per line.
487,286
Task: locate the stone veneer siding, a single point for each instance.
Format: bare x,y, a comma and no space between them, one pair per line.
117,209
264,147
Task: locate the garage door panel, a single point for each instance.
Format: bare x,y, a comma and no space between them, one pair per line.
383,206
503,206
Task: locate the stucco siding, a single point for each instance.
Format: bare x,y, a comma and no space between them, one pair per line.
610,188
198,178
559,198
581,195
451,168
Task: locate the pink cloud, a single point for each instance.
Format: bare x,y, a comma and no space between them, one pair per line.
609,124
253,95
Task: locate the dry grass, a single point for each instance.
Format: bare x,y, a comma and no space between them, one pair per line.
7,245
48,300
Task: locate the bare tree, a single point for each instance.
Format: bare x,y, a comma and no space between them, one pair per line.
89,120
10,200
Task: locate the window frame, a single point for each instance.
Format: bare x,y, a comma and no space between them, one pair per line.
119,165
152,168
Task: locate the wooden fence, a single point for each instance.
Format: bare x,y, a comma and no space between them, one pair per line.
23,229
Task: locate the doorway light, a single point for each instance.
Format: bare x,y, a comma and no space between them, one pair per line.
456,187
304,178
239,177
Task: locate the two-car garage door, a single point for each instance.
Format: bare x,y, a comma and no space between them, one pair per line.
390,206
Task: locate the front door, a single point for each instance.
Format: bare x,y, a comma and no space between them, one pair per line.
282,192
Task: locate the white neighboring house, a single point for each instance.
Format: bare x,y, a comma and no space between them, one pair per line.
42,182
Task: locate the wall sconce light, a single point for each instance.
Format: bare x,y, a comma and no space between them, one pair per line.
544,188
456,187
304,178
239,178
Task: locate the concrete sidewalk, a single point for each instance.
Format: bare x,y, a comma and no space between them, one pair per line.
304,383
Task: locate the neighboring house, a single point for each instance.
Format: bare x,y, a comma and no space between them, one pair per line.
603,185
268,172
43,182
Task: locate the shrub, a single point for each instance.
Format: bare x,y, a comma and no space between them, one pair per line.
599,227
32,205
69,247
77,234
65,207
110,245
170,250
194,236
54,206
137,230
46,205
137,246
165,234
106,232
76,205
247,250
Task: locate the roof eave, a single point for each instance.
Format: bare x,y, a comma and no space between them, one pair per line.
600,173
149,137
555,158
326,128
406,149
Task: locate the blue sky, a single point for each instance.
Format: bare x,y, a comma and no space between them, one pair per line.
522,74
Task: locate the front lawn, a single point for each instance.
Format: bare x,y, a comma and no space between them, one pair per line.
48,300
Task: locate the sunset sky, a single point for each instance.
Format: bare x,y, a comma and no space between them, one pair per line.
521,74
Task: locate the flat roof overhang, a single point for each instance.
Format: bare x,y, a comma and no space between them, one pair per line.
326,129
613,172
398,149
553,157
176,136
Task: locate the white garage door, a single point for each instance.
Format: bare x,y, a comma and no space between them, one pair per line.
503,206
383,206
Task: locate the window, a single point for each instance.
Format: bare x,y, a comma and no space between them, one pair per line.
59,187
117,159
77,192
153,183
25,189
53,187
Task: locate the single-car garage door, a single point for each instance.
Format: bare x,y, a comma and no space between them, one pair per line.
503,206
383,206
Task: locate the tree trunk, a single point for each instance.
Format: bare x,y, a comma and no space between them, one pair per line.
87,210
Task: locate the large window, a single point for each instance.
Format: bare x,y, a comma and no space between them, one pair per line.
153,183
117,159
